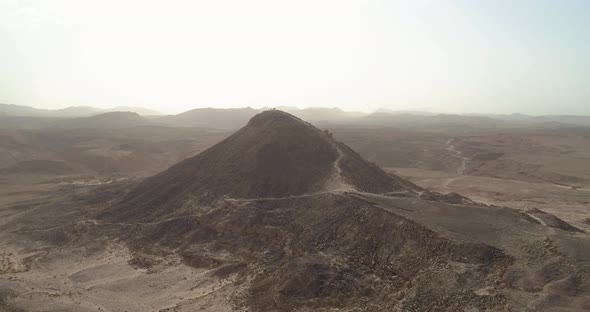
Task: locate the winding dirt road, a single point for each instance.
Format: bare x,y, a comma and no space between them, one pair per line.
463,162
457,154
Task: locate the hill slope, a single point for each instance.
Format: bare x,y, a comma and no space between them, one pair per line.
300,221
275,155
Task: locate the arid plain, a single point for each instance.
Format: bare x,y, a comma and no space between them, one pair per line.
56,255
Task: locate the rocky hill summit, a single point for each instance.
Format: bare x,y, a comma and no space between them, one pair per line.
276,155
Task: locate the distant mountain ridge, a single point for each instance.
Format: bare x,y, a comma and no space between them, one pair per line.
24,117
111,120
315,114
216,118
72,111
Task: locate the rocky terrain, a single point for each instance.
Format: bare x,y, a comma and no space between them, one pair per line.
280,216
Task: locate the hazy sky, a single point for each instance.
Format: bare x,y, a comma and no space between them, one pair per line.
450,56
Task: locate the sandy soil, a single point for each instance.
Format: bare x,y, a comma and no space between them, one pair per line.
74,280
38,275
569,204
521,168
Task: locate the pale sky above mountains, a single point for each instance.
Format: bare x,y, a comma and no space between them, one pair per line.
499,56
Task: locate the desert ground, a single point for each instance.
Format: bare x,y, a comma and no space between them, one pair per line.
51,181
520,168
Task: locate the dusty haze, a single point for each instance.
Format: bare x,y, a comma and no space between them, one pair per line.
444,56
